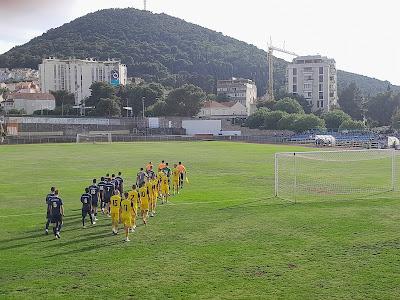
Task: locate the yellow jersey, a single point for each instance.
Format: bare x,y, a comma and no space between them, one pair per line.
175,174
154,183
164,181
126,208
144,198
115,204
133,196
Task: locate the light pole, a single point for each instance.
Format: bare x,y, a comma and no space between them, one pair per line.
143,106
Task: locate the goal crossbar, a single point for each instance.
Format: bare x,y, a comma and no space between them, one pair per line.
94,138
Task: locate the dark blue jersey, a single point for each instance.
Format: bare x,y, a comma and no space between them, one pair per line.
119,181
86,200
94,192
48,197
55,204
108,190
101,186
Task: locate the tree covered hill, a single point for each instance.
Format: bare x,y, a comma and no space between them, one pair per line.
161,48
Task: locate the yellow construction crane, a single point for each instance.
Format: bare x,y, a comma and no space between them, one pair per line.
271,50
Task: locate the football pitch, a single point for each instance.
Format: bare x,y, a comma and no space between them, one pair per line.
225,236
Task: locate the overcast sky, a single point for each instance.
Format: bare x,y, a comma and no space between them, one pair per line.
362,36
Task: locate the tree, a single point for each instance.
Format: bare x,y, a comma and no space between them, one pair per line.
382,106
307,107
289,105
100,90
223,98
287,121
266,103
109,107
335,118
351,101
158,109
272,119
396,120
256,120
134,95
307,122
62,97
352,125
185,101
16,112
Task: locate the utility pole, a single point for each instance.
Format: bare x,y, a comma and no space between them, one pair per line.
143,106
144,4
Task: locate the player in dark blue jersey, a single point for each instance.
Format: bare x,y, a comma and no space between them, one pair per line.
56,213
101,185
48,197
86,200
94,192
108,192
120,183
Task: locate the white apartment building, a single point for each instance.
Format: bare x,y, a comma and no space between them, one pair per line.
239,90
315,78
229,109
77,75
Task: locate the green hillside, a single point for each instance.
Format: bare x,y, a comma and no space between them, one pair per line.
161,48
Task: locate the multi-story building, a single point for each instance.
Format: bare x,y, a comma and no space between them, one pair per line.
77,75
315,78
239,90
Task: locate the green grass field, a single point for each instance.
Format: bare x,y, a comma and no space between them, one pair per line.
225,236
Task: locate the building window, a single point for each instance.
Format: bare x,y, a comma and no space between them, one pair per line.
294,80
309,95
294,88
322,103
321,78
308,77
331,94
294,72
321,95
321,70
308,69
307,86
321,87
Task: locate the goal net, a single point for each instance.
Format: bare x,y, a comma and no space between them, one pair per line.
94,138
303,176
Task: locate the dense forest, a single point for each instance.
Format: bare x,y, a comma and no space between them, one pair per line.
160,48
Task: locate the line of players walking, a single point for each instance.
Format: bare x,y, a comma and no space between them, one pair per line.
122,207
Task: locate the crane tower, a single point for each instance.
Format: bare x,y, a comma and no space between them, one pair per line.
271,49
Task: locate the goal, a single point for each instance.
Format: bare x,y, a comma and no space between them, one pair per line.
94,138
304,176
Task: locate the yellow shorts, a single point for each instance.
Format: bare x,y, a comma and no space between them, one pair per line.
164,190
144,205
115,216
126,220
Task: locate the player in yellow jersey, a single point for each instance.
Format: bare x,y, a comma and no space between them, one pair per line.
159,177
133,196
149,185
175,179
126,215
115,203
164,189
144,202
155,193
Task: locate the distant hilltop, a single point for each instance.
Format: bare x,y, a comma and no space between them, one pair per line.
165,49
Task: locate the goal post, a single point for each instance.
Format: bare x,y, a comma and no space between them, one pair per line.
306,176
105,137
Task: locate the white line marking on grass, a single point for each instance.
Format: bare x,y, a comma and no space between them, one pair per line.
21,215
